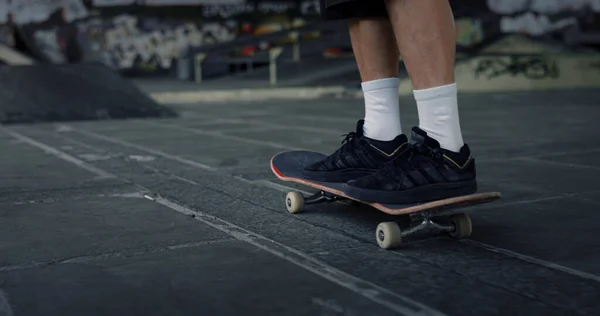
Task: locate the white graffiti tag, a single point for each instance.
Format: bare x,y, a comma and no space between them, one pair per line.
128,44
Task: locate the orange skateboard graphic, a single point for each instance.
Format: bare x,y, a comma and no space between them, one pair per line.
439,214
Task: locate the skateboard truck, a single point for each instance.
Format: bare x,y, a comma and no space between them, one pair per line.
458,226
295,201
388,234
426,221
320,197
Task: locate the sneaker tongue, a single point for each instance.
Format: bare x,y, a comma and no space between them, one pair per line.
359,127
419,136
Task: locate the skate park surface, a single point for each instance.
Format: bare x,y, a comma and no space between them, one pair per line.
182,216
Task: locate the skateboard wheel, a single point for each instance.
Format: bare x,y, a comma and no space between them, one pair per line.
388,235
294,202
462,226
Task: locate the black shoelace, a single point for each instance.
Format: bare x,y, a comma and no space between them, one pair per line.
397,168
348,137
348,145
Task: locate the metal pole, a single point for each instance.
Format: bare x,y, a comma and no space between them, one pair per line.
274,53
295,36
198,60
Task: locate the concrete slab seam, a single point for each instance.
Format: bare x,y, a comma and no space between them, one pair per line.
148,150
59,154
526,201
223,136
375,293
490,248
5,309
111,255
282,126
516,255
281,188
385,297
351,120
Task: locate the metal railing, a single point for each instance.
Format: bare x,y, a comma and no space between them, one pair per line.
200,54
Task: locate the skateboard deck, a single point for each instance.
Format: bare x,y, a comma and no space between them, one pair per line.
287,166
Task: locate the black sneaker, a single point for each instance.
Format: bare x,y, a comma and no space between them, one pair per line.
358,156
425,174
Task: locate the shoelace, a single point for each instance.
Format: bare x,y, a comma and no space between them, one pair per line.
348,137
347,145
429,153
397,168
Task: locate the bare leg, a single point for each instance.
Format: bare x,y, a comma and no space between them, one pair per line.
424,31
377,55
426,39
425,34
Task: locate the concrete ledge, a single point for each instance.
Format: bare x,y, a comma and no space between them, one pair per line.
14,58
296,93
487,73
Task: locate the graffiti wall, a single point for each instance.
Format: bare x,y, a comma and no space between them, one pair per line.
150,35
478,20
147,35
538,17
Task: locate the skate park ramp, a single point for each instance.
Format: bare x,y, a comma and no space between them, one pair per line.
45,92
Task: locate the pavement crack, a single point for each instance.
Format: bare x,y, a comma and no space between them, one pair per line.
494,284
113,255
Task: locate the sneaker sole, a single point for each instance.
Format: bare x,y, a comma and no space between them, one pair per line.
422,194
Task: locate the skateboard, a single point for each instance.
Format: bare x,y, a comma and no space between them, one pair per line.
440,215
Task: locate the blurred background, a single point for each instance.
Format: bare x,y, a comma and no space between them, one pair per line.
231,41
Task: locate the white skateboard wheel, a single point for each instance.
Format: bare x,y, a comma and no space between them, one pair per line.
294,202
462,226
388,235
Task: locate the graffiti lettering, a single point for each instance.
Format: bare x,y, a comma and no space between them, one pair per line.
126,45
310,7
74,10
531,67
47,43
226,11
275,7
264,7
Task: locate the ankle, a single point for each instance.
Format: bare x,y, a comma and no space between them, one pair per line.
438,115
382,111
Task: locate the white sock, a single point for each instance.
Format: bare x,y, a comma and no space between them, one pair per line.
438,115
382,110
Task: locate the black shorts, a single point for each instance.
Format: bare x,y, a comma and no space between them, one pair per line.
347,9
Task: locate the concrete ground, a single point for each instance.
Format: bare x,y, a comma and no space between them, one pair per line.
183,217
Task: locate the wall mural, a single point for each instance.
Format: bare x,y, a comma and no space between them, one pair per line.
151,34
144,34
